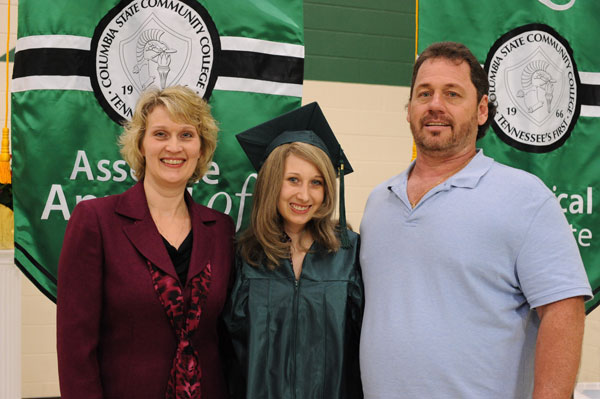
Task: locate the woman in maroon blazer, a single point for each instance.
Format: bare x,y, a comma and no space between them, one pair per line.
143,275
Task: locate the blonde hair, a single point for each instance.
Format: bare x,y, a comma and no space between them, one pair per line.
262,240
184,106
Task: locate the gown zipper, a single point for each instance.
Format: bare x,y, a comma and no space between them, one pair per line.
295,326
295,304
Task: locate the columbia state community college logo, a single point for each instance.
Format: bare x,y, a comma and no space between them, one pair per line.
152,43
534,82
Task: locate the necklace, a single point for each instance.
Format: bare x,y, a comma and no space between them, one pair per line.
414,202
167,234
179,238
298,250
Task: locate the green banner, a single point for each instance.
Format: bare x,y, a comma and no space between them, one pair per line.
79,69
543,66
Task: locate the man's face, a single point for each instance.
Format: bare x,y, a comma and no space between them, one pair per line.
444,113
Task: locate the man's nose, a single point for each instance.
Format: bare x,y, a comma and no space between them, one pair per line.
437,101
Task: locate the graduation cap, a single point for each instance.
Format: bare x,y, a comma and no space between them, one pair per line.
306,124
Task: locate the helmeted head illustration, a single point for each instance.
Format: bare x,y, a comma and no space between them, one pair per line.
538,86
153,56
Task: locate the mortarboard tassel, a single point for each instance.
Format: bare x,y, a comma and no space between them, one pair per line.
345,241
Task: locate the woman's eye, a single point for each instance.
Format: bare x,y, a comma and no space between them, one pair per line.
293,179
187,135
160,133
317,182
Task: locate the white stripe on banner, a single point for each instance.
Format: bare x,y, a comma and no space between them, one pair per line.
258,86
223,83
40,82
261,46
54,41
589,78
227,43
591,111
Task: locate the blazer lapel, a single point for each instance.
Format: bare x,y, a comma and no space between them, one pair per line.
142,232
203,239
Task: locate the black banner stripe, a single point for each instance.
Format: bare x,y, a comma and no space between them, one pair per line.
589,94
239,64
51,61
35,263
34,281
250,65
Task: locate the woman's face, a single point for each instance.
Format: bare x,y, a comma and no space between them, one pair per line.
171,150
302,193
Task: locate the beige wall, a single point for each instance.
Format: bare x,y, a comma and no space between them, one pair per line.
590,359
39,373
370,123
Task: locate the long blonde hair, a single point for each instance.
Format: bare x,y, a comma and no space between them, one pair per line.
262,241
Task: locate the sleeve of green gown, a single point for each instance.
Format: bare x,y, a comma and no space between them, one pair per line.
357,302
235,325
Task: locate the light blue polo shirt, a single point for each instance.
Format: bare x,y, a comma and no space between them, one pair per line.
450,286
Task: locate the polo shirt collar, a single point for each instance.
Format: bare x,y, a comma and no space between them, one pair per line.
468,177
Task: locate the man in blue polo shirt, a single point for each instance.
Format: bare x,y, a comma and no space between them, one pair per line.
474,284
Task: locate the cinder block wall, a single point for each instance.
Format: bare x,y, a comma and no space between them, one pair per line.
590,359
370,123
39,373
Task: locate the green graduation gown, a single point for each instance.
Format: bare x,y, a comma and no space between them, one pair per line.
297,339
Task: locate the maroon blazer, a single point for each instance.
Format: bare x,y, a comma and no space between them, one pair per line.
113,336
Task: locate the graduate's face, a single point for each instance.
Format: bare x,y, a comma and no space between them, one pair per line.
171,149
444,113
302,193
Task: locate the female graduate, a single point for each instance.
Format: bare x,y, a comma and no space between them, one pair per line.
295,309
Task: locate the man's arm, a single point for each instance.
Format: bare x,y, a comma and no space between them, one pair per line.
558,348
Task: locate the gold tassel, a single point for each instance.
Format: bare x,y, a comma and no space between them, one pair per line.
5,173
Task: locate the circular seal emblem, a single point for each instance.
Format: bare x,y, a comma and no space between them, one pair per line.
534,82
159,43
